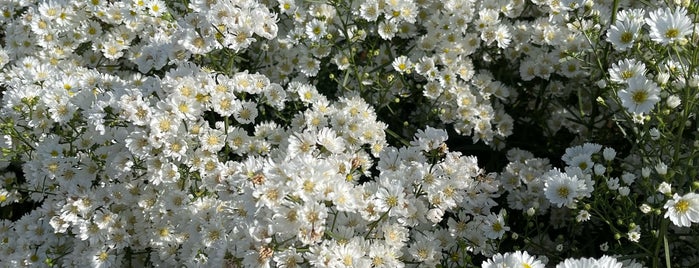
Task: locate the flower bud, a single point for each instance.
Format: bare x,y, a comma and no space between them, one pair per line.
665,188
661,168
531,211
608,154
673,101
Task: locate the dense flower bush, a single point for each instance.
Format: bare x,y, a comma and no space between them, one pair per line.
361,133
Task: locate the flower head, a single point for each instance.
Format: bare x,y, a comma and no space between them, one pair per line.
562,189
668,26
684,210
640,96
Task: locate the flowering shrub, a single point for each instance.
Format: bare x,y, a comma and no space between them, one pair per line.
366,133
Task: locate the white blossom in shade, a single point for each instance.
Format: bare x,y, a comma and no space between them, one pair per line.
494,225
599,169
608,154
583,215
425,248
661,168
683,210
613,183
667,26
634,235
624,190
640,96
560,188
654,134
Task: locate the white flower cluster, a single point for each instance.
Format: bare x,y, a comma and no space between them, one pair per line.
257,133
523,259
442,41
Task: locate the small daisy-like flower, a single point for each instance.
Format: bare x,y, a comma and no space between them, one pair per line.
684,210
667,27
640,96
494,226
634,236
623,34
582,216
316,29
560,188
402,64
387,29
513,259
626,69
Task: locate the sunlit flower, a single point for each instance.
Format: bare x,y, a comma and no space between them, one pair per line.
623,34
667,26
683,210
640,96
561,189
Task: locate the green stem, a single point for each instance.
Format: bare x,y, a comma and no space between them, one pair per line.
661,240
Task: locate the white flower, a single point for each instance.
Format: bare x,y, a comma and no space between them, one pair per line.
626,69
623,34
582,216
661,168
402,64
429,139
613,183
683,211
634,236
628,178
513,259
370,10
435,215
561,189
608,154
387,29
640,96
604,261
316,29
494,225
665,188
624,190
673,101
667,27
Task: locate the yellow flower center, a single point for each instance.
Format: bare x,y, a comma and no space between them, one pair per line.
682,206
626,37
672,33
639,96
563,192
